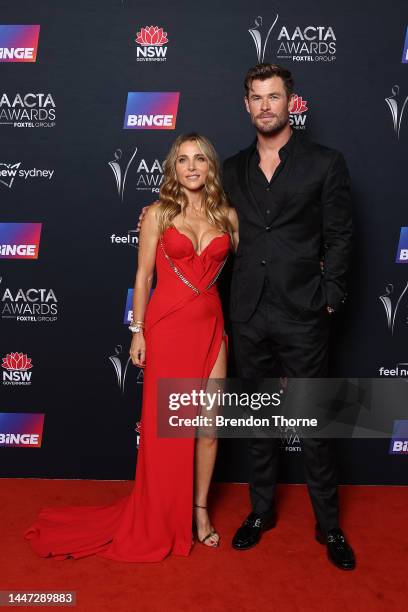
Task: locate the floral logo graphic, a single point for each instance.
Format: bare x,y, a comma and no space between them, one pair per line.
151,36
17,361
298,105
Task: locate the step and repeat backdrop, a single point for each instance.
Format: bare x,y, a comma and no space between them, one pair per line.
92,94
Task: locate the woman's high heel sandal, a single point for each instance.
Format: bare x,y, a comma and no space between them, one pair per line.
210,534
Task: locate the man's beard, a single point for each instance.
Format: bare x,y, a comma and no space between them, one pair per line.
280,122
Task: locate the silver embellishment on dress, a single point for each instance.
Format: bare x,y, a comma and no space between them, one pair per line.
183,278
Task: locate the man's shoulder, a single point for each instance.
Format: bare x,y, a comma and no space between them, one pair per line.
236,159
317,149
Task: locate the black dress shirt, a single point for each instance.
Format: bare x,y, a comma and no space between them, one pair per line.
265,192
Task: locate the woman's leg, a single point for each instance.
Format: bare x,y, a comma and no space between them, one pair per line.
205,455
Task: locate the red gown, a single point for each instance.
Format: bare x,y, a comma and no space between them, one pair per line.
184,330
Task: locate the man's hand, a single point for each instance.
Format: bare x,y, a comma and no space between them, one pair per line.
142,214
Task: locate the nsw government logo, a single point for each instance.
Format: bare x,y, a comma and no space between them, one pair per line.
19,240
151,42
402,251
399,440
151,110
18,43
16,369
297,112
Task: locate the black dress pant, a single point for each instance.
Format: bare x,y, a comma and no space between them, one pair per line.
275,344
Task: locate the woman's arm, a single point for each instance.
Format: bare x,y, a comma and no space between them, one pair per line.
233,217
149,236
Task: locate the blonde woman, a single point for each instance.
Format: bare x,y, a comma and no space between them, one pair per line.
185,237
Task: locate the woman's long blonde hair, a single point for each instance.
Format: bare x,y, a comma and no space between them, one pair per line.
173,200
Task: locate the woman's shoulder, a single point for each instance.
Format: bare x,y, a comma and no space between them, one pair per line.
153,209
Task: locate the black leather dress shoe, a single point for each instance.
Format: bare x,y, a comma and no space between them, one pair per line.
339,550
249,534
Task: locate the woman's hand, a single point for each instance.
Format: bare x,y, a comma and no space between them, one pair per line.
138,350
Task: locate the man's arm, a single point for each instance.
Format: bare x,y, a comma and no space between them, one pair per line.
337,230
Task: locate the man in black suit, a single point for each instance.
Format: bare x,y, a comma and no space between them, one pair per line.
294,209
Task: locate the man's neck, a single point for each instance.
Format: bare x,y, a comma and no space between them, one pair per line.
269,144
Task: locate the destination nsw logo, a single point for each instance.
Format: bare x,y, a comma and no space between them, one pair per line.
19,240
18,43
151,110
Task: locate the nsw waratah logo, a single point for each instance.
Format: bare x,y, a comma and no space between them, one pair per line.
297,112
19,43
152,41
151,110
20,240
17,368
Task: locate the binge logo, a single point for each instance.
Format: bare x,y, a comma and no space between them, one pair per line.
20,240
151,110
19,43
402,252
127,319
21,429
405,50
399,440
128,308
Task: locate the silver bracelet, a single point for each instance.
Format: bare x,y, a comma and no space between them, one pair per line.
136,328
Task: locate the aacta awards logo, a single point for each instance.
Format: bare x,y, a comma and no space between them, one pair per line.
20,240
397,107
121,361
29,305
149,172
151,110
31,110
151,41
297,112
19,43
17,368
312,43
394,306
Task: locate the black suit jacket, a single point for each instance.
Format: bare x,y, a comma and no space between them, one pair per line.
311,221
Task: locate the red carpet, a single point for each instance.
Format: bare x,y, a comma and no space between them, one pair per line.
287,571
